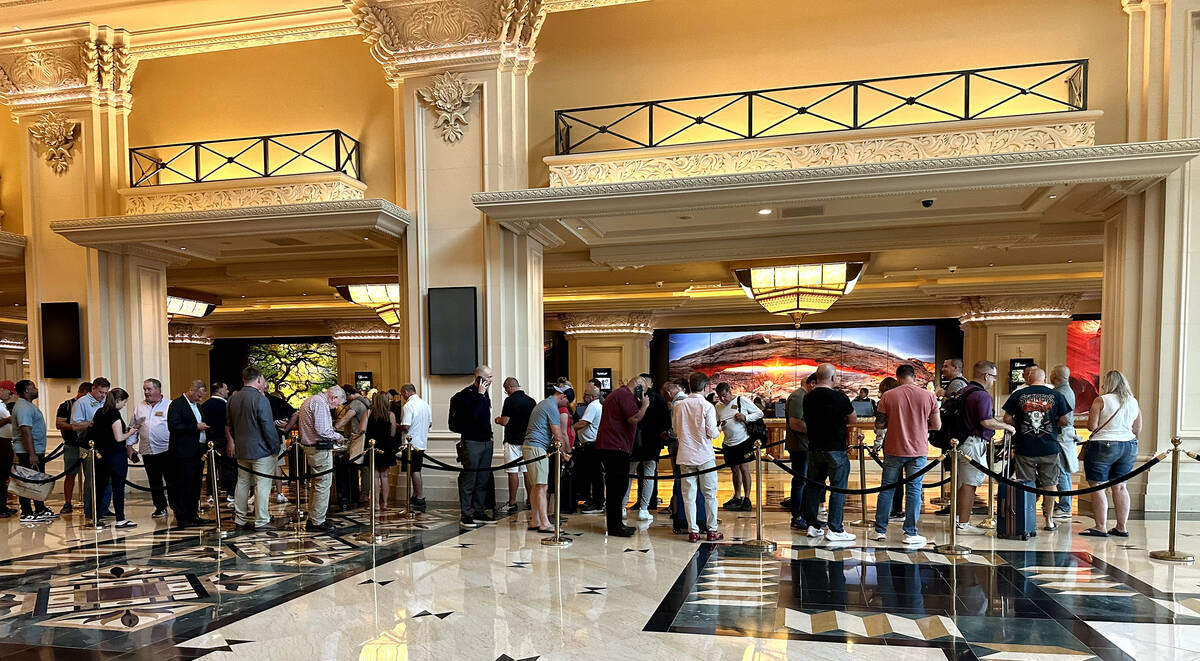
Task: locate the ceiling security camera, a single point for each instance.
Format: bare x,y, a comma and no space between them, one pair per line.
658,284
928,202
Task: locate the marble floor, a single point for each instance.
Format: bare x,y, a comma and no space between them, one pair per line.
430,590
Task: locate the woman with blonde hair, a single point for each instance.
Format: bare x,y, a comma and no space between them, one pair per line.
1115,420
380,425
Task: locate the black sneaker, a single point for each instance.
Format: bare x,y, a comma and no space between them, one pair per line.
45,515
107,513
509,508
29,518
417,504
66,509
786,503
467,522
746,505
799,524
591,509
318,527
158,514
945,511
894,516
623,531
733,504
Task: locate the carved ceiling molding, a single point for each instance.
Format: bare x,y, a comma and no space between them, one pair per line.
419,37
237,195
245,32
982,309
449,99
536,231
570,5
60,66
607,323
57,134
731,158
364,330
188,334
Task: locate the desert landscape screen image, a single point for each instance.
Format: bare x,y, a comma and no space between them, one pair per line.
771,364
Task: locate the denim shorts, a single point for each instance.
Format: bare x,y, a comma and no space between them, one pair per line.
1106,460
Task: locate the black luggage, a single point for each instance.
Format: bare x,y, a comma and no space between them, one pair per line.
1016,510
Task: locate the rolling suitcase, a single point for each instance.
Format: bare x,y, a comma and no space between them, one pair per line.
1017,510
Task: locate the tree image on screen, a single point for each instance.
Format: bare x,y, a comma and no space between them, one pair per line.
296,371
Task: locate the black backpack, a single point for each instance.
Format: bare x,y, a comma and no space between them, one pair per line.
954,418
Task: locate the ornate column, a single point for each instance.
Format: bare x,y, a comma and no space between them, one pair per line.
69,90
619,341
369,345
189,348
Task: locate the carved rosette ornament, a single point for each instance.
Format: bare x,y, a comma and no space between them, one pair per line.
449,98
57,134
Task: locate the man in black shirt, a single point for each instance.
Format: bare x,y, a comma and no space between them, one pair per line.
514,417
1038,412
471,418
827,412
71,448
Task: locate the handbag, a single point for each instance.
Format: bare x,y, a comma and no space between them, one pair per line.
755,429
32,490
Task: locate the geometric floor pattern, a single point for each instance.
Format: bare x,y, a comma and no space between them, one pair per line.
1041,605
153,591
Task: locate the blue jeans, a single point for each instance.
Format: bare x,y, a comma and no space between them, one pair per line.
831,467
799,469
1064,484
892,467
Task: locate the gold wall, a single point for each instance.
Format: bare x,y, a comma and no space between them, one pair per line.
673,48
306,86
10,174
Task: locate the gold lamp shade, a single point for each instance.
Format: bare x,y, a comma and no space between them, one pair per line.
801,289
371,295
178,306
390,314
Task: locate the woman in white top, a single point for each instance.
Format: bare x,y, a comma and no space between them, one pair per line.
1115,420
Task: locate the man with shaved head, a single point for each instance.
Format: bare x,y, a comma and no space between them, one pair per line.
471,418
186,447
827,413
1038,413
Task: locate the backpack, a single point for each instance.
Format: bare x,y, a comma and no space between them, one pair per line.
954,418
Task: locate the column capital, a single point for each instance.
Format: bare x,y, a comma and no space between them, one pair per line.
65,68
983,309
365,330
188,334
628,323
420,37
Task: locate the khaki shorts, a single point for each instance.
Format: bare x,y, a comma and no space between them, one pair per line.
539,471
973,448
1043,471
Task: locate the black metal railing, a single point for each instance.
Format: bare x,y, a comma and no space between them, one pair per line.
1026,89
245,158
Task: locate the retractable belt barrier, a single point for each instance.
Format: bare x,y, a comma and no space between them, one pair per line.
1075,492
283,478
855,492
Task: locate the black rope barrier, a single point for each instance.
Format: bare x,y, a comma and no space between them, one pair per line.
139,487
284,478
672,476
1075,492
56,452
437,464
858,492
1191,454
71,469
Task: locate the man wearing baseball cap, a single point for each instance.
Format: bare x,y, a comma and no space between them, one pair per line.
6,446
545,429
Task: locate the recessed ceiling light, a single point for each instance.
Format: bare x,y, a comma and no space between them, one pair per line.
304,294
915,268
183,247
1070,260
991,264
1054,197
764,212
366,238
243,296
579,227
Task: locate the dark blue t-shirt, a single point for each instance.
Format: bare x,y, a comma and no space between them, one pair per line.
1035,411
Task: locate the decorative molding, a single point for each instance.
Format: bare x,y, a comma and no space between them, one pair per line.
188,334
606,323
982,309
235,195
365,330
74,63
449,99
13,342
420,37
240,214
729,158
537,231
266,30
57,134
570,5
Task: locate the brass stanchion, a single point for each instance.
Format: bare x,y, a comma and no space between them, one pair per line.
557,539
92,463
299,520
758,544
1171,554
990,522
410,512
371,537
941,499
862,484
953,549
212,465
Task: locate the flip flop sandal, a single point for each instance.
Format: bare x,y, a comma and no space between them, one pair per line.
1051,527
1116,532
1092,532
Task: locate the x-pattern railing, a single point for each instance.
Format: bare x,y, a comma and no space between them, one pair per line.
1026,89
245,158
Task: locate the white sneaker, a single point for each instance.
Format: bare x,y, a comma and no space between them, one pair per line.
915,540
968,529
624,512
839,536
815,532
280,498
878,536
644,515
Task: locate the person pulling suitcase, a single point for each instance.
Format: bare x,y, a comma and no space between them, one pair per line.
972,417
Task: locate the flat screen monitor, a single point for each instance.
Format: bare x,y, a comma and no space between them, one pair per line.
453,330
62,348
863,409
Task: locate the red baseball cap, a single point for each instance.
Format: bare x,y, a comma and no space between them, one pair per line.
8,385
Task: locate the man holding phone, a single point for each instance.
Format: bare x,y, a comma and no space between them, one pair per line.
620,414
471,419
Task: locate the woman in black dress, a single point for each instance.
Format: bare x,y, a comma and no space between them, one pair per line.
380,425
109,432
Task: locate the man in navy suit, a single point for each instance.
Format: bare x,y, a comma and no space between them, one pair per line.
187,447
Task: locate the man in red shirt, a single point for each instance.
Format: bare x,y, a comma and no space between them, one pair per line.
910,413
622,411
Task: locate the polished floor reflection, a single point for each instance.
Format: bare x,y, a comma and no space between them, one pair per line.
430,590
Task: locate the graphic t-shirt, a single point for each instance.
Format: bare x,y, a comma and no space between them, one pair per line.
825,411
1036,410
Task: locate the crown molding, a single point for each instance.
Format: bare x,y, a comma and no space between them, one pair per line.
267,30
59,67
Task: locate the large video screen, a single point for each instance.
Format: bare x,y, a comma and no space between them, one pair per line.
1083,358
771,364
296,371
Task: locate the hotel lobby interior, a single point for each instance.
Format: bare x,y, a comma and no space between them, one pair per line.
388,192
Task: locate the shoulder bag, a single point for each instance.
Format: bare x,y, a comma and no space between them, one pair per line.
1083,447
755,429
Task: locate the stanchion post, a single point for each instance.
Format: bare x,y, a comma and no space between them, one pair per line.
557,539
953,549
862,484
301,515
758,544
370,537
92,465
941,499
1171,554
212,466
410,512
990,522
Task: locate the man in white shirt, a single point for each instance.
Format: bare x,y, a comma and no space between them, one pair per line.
695,424
591,475
732,416
153,440
418,418
317,437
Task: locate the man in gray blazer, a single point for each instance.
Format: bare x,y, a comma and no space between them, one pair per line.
255,440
